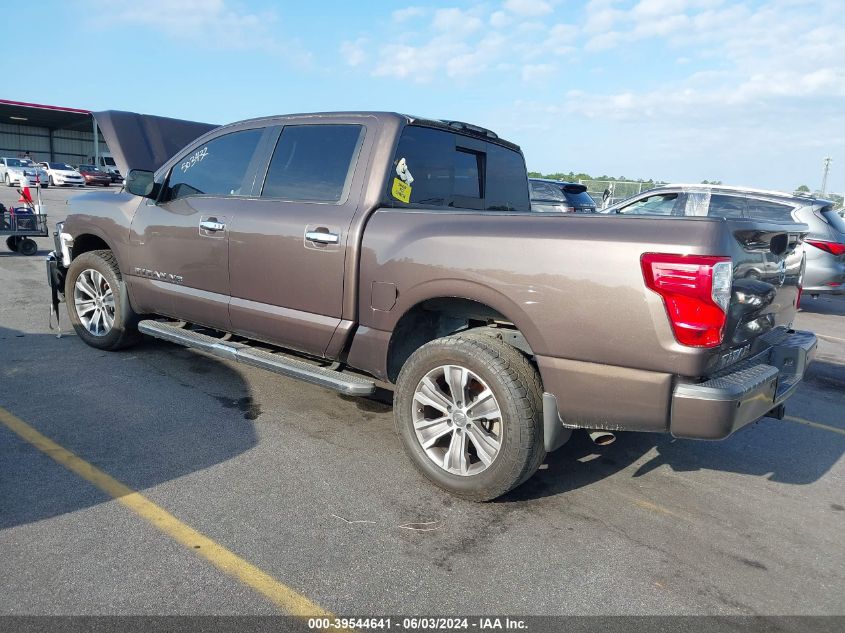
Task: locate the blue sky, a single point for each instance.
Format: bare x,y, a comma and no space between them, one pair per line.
749,93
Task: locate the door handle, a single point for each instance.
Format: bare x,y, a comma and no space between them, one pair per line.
212,225
321,237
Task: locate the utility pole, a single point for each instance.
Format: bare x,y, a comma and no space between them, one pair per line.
827,162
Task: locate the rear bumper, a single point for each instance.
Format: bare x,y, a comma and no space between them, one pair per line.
712,409
719,406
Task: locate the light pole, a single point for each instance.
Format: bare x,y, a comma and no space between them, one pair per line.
827,162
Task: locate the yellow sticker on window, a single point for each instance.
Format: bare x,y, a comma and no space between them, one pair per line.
401,191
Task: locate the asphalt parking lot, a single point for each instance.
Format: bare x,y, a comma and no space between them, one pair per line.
313,490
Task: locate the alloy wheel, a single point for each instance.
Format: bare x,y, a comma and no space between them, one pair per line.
94,302
457,420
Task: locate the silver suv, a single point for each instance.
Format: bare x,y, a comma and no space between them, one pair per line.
825,273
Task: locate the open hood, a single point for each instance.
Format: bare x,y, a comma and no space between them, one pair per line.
145,141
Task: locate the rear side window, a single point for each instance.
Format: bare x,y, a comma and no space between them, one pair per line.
727,206
834,219
218,168
435,168
313,163
507,188
766,210
546,191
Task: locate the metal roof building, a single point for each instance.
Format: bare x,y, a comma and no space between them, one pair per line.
48,133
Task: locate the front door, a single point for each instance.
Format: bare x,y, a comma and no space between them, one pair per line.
180,263
288,248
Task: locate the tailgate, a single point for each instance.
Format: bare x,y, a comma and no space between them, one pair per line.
768,262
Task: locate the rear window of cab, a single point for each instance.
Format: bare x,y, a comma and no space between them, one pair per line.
439,169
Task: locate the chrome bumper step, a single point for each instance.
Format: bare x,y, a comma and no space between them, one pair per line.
349,384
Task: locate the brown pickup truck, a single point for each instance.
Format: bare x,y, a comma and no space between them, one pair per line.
359,249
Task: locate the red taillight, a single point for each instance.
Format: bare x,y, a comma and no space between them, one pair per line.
834,248
696,290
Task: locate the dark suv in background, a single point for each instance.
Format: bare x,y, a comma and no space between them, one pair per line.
825,273
560,197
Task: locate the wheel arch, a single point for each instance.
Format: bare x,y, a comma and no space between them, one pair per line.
441,315
87,242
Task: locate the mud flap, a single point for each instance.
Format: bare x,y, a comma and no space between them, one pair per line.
55,277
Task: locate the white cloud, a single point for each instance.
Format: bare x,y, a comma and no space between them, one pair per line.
408,13
499,19
537,72
354,52
528,7
456,21
212,24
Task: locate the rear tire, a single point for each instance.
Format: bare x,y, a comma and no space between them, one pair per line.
98,304
27,247
12,243
512,434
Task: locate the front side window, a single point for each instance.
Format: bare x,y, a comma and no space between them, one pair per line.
436,168
658,204
216,168
313,163
767,210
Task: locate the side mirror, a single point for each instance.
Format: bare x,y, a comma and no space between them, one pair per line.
140,182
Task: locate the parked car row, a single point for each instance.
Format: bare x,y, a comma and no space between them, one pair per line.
19,172
825,242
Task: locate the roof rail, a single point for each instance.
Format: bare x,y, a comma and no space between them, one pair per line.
769,192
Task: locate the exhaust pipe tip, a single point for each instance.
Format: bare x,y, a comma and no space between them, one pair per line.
602,438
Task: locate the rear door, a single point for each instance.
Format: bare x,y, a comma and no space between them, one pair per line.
288,250
181,261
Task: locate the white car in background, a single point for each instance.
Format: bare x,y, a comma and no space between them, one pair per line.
19,172
62,174
41,172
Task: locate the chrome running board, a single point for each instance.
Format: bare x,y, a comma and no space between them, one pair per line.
349,384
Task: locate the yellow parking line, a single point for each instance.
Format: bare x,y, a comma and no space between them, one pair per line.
815,425
281,595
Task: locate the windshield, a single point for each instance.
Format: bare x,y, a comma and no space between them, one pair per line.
60,166
108,160
27,163
13,162
88,168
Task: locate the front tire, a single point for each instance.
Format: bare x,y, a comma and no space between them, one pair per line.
12,243
98,304
468,408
